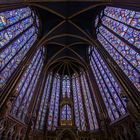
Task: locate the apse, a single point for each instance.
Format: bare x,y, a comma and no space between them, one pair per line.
69,70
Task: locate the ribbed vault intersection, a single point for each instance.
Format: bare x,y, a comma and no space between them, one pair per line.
66,68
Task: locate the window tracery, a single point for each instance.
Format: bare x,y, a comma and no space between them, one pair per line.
41,118
54,104
18,32
66,115
108,86
26,87
78,104
93,124
119,33
66,86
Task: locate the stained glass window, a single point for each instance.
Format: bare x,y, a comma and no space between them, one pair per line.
66,115
78,104
27,86
126,16
96,21
93,124
18,32
108,87
66,86
44,103
119,33
54,104
50,102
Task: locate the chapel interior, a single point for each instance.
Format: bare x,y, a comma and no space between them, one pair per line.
69,70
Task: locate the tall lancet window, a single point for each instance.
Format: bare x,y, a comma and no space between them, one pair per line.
27,86
41,118
18,32
78,104
108,86
54,104
66,115
66,86
93,124
119,33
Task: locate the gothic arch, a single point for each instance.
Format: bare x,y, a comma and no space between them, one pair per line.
67,132
89,44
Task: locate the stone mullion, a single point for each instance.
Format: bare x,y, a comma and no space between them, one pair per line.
48,84
35,17
48,107
103,114
123,22
12,83
112,86
15,23
84,83
98,72
118,73
122,39
66,112
93,99
23,98
109,92
119,53
31,116
60,98
30,95
14,39
104,117
35,95
40,98
54,105
16,53
78,103
24,80
107,85
72,99
83,101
